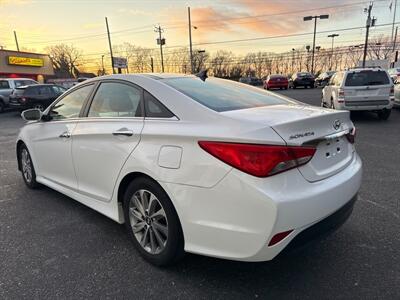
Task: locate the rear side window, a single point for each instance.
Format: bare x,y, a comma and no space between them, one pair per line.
223,95
43,90
367,77
4,85
154,108
113,99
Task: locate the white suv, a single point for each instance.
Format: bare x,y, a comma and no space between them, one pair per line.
368,89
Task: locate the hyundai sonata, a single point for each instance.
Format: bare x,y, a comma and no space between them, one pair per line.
200,165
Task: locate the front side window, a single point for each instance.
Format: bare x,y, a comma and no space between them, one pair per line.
114,99
71,105
4,85
223,95
58,90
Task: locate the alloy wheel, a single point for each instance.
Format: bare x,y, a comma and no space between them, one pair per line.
148,221
26,165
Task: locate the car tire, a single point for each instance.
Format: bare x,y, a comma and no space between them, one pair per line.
158,239
294,86
27,168
384,114
312,86
2,106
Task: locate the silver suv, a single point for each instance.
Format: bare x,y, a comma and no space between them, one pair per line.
368,89
7,86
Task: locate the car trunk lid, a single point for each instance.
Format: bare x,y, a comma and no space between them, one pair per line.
303,125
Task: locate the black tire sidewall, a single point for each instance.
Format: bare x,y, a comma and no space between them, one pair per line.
174,248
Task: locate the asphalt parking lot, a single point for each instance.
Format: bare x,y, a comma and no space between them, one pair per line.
53,247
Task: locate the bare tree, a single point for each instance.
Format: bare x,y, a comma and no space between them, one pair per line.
380,48
65,60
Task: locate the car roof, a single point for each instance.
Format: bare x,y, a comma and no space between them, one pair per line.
365,69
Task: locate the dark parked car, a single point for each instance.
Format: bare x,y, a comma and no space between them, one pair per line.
323,78
35,96
304,79
251,80
276,81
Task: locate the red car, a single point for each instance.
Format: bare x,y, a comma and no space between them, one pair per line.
276,81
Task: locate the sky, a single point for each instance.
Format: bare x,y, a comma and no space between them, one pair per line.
220,24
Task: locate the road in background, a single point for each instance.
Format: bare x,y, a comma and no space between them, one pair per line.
54,247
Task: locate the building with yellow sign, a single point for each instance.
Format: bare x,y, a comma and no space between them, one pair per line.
17,64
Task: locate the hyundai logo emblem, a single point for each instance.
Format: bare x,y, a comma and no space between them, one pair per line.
336,124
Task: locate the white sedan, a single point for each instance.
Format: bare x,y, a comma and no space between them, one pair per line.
201,165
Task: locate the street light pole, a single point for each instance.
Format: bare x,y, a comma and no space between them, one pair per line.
309,18
333,37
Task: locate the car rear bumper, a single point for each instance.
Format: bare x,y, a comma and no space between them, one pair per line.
322,228
364,105
277,85
237,218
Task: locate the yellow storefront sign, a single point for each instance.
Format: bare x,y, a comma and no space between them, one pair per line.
25,61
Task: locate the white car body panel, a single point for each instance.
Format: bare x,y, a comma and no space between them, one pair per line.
223,212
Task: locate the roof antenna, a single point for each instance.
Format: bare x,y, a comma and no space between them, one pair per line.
202,74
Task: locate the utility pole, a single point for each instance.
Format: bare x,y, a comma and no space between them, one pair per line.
109,44
370,22
309,18
394,17
161,42
16,40
333,37
190,42
395,39
152,64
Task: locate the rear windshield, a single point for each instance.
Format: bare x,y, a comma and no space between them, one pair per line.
304,75
367,77
223,95
277,76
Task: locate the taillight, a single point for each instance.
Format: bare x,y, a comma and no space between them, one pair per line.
23,99
259,160
392,91
341,93
351,136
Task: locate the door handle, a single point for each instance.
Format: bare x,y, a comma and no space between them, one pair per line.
123,131
65,134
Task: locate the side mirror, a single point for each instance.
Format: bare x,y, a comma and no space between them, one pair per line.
31,114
